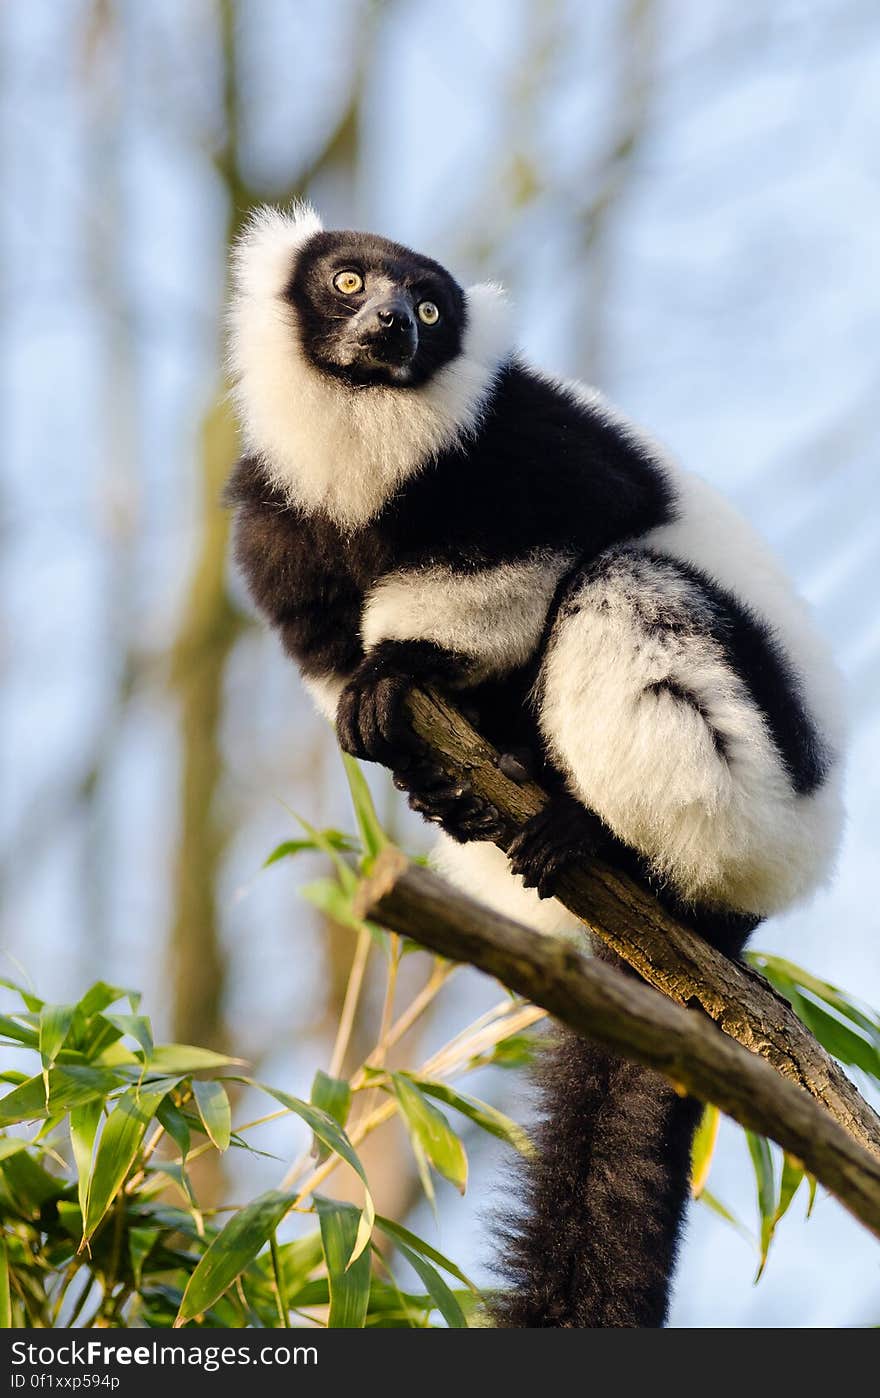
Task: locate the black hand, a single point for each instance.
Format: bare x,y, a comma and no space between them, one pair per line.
449,802
564,832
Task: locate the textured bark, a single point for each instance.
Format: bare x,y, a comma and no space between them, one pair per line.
666,954
631,1019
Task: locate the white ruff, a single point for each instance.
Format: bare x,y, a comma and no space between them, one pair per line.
341,450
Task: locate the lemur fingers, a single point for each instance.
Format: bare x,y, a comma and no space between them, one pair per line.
371,720
563,832
449,802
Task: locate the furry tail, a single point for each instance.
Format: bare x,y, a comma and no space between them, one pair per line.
596,1243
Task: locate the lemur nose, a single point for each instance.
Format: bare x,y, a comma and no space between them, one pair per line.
391,317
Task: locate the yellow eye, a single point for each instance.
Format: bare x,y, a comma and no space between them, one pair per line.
348,282
428,312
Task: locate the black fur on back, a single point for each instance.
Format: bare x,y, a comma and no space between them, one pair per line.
596,1241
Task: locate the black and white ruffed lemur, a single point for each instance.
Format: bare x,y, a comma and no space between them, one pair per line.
418,506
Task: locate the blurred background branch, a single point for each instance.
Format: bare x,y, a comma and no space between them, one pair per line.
682,199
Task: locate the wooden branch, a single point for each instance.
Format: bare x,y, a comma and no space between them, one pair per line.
628,1017
666,954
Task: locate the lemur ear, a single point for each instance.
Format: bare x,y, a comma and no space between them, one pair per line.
263,254
489,318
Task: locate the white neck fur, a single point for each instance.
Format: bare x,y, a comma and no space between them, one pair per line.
328,447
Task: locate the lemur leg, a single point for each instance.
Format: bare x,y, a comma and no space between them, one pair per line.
659,736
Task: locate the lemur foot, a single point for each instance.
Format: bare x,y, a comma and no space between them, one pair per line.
564,832
449,802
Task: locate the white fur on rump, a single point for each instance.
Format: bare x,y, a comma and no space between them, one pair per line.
482,870
494,615
328,448
724,826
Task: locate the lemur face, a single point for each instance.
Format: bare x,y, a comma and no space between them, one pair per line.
371,312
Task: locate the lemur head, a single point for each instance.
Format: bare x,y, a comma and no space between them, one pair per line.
369,311
355,361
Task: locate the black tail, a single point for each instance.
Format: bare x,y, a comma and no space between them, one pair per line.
597,1241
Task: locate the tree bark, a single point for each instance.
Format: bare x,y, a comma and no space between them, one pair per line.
631,1019
666,954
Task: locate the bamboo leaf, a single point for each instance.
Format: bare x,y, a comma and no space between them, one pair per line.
84,1122
481,1113
213,1106
436,1288
289,848
21,1033
137,1027
233,1249
68,1087
349,1279
55,1022
712,1202
186,1058
417,1244
372,835
120,1141
175,1123
332,1095
332,1135
765,1177
430,1130
704,1149
140,1245
5,1297
789,1184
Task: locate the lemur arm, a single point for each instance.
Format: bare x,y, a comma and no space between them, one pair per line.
453,628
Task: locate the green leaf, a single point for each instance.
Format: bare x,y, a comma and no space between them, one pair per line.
436,1288
84,1122
21,1033
712,1202
26,1179
372,835
68,1087
299,1258
765,1177
5,1298
213,1105
175,1123
782,973
100,995
842,1042
120,1141
332,1095
137,1027
417,1244
703,1149
31,1001
185,1058
481,1113
432,1131
349,1280
331,1134
344,872
812,1184
11,1145
516,1051
789,1184
55,1021
233,1249
288,848
140,1245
